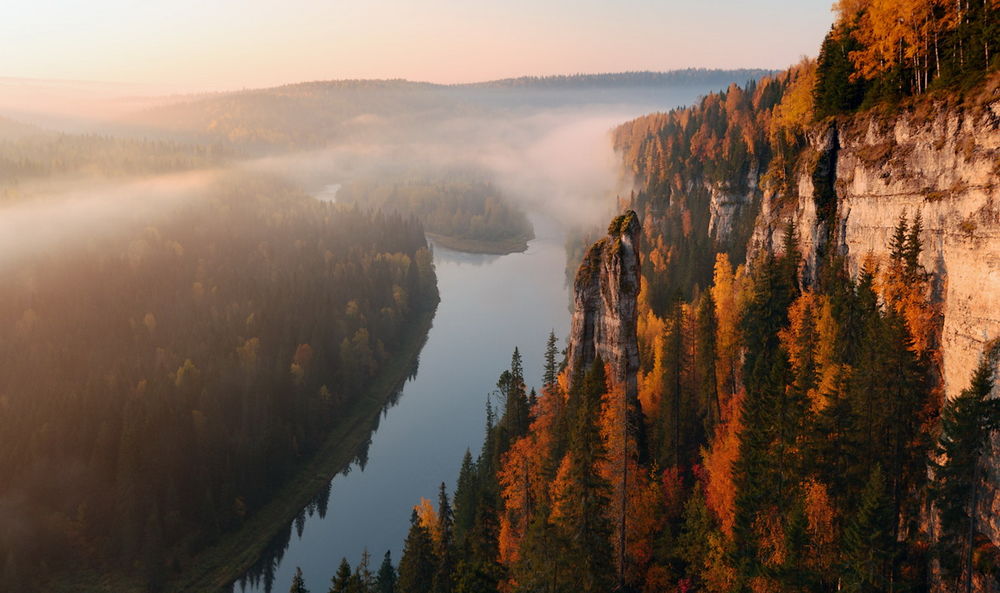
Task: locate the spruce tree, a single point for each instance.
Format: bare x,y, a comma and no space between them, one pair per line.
416,567
704,363
341,581
445,549
967,423
835,91
551,368
868,542
912,248
385,579
586,552
466,495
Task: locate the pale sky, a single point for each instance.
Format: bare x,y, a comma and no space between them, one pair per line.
224,44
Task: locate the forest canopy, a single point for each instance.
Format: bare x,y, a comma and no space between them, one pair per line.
161,382
461,209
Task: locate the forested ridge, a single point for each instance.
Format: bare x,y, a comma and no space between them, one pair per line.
702,171
794,433
463,208
792,438
30,154
161,382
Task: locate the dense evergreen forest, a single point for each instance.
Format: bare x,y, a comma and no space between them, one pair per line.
161,382
31,154
462,209
791,439
794,434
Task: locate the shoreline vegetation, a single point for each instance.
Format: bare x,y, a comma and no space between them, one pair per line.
459,208
223,563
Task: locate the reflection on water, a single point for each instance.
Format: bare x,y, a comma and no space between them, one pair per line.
489,305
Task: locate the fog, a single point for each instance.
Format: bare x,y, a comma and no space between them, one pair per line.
72,214
548,150
557,162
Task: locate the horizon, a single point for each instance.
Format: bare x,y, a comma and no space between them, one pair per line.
185,47
561,75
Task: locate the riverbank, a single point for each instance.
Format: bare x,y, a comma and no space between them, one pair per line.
235,553
503,247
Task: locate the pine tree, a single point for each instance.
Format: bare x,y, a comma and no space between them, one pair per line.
416,568
298,583
385,579
967,423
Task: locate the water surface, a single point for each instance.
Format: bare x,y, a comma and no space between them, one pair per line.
489,305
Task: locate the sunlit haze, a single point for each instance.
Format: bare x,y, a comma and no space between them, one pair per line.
188,45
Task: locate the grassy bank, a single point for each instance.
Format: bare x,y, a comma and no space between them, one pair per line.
502,247
236,552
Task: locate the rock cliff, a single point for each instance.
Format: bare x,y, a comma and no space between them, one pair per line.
939,161
604,304
942,163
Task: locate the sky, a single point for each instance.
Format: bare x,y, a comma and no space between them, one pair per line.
189,45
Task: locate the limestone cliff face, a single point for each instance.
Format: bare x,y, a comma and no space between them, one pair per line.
726,208
944,164
604,304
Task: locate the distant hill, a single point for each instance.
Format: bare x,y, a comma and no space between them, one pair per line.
628,79
316,113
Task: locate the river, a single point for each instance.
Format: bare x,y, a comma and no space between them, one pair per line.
489,305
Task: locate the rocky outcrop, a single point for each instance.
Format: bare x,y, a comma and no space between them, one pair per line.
604,305
726,208
943,164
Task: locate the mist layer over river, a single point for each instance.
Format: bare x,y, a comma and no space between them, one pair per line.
489,305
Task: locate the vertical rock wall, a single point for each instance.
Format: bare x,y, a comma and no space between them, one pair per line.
604,305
